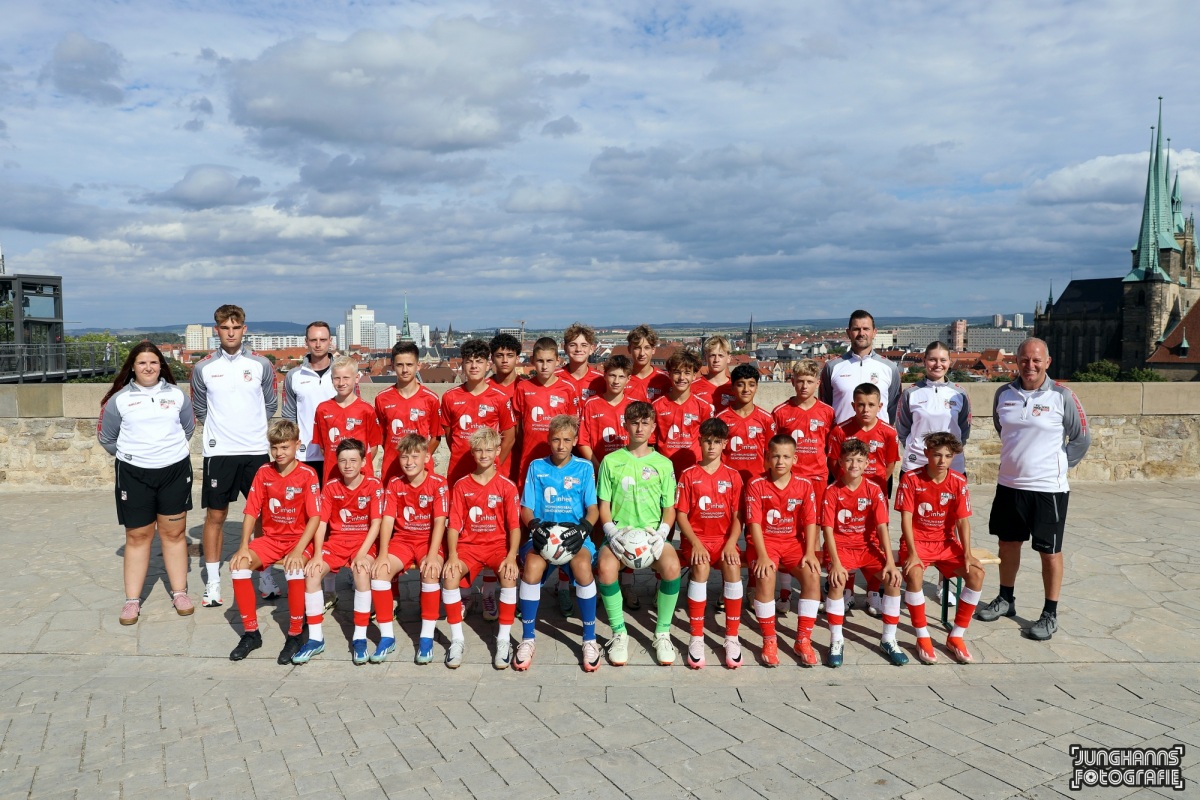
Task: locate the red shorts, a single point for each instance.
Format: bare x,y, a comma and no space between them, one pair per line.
871,562
270,549
784,552
945,554
478,556
714,547
410,551
341,549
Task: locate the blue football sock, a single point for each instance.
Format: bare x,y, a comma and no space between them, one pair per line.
529,598
586,595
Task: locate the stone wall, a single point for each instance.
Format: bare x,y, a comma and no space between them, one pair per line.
1139,432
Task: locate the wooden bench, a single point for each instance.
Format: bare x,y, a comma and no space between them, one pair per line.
984,557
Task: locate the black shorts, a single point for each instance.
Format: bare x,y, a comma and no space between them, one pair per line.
227,476
143,494
1019,514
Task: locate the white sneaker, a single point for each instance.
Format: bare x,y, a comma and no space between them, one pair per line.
454,655
212,595
503,653
874,604
848,596
618,649
491,608
664,651
524,657
733,652
952,599
267,586
591,656
695,653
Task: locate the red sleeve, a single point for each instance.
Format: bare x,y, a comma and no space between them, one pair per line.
585,430
829,509
904,494
377,506
507,415
512,509
254,499
391,499
893,448
964,502
753,506
380,417
327,503
435,417
808,509
318,434
441,501
444,413
880,508
312,501
833,444
457,512
683,496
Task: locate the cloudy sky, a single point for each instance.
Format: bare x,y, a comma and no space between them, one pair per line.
612,161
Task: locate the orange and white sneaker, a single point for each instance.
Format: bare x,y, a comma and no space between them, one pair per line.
524,657
770,651
695,653
958,649
804,649
925,651
591,656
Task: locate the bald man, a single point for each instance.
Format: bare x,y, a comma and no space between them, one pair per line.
1043,433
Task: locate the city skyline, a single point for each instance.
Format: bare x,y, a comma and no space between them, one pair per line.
677,161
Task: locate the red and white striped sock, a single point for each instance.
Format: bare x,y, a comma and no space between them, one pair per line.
765,612
733,608
295,590
452,600
697,597
381,595
243,595
965,610
314,608
891,615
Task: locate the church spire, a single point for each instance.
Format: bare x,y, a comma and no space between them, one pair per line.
1157,225
405,332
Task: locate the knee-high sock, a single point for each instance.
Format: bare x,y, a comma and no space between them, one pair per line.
765,612
610,595
733,607
916,613
243,595
381,596
295,590
697,598
835,615
891,615
808,618
429,609
668,597
452,599
530,598
586,595
508,611
362,613
314,609
966,608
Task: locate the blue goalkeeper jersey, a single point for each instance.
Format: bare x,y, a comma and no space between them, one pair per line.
559,494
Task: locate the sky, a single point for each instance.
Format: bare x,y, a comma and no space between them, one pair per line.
615,162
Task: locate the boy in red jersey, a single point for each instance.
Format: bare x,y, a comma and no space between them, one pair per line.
504,351
715,385
415,508
750,427
602,419
484,531
406,408
855,523
345,416
708,500
286,495
579,341
679,414
351,510
809,422
475,404
647,382
781,520
935,511
537,401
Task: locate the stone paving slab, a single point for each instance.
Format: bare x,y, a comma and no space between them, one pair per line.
89,708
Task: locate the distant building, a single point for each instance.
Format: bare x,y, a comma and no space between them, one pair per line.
360,326
265,341
1018,321
918,337
997,320
197,337
982,338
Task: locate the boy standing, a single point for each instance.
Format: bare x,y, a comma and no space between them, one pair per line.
307,386
750,427
602,419
781,518
935,512
415,508
855,523
716,386
679,414
286,496
537,401
708,505
579,341
346,415
559,490
636,489
879,437
473,405
404,409
484,531
646,383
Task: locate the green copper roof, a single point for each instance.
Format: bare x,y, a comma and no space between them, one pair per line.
1177,206
1157,231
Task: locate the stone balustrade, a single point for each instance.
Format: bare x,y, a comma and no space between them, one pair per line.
1147,431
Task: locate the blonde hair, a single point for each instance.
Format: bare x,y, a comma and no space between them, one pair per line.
564,421
713,342
412,443
343,362
283,430
809,367
488,438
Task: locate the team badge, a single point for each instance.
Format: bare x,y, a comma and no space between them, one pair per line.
290,492
351,422
166,403
813,424
946,498
484,409
754,431
124,495
875,445
1038,409
874,377
362,502
569,482
648,473
863,502
723,486
414,414
246,376
213,483
493,500
424,500
315,488
792,503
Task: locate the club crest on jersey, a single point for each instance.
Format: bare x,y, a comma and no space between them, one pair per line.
723,486
485,409
166,403
946,498
649,473
874,377
813,424
948,403
213,483
494,500
753,431
124,495
246,376
290,492
424,500
570,482
555,401
315,488
792,503
362,502
874,445
351,422
415,414
863,502
1038,409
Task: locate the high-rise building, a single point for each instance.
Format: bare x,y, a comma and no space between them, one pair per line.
997,320
360,325
379,336
956,335
196,337
341,336
1018,320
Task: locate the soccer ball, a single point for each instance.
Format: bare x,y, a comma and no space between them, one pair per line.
633,547
555,551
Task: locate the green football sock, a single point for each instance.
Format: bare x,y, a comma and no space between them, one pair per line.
610,594
668,596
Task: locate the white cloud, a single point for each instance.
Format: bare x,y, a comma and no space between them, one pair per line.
86,68
208,186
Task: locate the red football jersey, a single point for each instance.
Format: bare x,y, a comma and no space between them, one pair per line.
464,413
746,449
285,502
356,421
881,441
781,512
483,514
655,385
936,507
414,508
592,384
709,501
721,397
534,405
810,428
351,511
855,516
399,416
677,429
602,426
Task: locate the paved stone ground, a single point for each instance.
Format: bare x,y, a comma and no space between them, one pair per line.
91,709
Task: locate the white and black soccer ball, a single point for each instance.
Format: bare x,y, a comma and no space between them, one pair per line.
634,547
555,551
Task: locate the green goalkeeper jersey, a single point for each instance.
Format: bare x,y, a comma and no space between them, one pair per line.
637,488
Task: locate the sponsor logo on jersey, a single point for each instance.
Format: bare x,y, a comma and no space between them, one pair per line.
773,516
212,442
275,505
844,515
409,513
673,432
465,422
549,495
536,413
735,443
627,484
397,427
475,514
704,502
609,435
924,509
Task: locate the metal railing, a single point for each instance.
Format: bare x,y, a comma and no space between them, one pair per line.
56,362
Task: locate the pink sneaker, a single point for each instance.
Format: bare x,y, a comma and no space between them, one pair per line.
183,603
130,612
